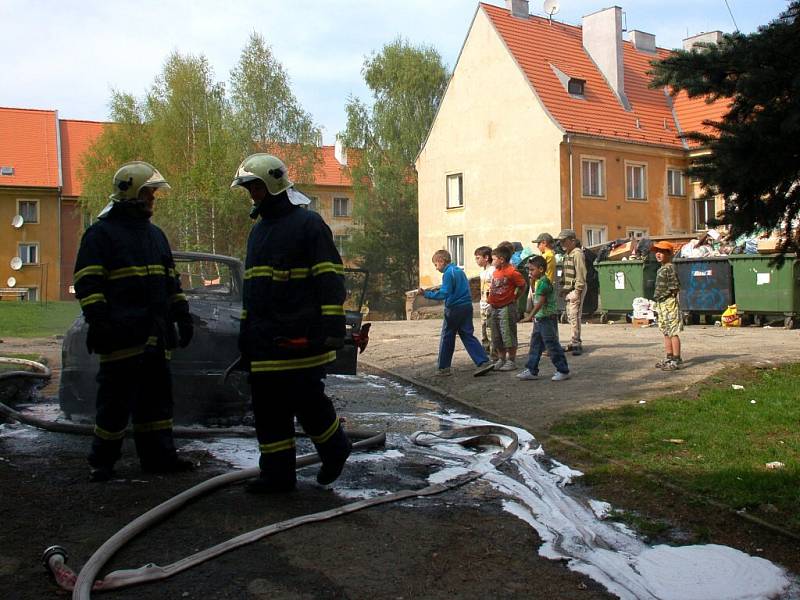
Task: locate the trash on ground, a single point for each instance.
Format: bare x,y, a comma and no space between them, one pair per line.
736,386
775,465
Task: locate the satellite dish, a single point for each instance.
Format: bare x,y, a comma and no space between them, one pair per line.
17,221
551,7
11,281
16,263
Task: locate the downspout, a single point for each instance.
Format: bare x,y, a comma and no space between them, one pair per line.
571,198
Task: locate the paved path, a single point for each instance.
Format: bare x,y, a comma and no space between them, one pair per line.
616,367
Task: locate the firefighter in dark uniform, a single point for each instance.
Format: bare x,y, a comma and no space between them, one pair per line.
131,297
292,324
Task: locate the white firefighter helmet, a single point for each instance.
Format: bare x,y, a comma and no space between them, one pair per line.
132,177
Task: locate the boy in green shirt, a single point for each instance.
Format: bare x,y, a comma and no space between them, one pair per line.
669,313
545,325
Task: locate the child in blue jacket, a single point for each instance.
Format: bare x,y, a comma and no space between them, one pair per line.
457,316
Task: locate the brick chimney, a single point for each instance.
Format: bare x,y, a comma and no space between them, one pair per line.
712,37
602,40
518,8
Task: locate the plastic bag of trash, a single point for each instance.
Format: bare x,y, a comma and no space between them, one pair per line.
731,318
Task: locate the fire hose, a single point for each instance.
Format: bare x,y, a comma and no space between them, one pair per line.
85,582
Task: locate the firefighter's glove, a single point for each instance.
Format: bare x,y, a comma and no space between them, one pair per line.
185,332
100,337
334,343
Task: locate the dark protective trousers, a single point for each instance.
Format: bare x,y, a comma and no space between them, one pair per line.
279,397
139,388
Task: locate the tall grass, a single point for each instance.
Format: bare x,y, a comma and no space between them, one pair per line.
32,319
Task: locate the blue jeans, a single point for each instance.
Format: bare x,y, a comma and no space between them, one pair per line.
545,335
458,320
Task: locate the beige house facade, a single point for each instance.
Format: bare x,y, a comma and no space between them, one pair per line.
546,126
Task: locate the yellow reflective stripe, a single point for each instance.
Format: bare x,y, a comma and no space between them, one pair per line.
258,272
178,298
172,272
327,267
142,271
152,426
277,274
90,270
326,435
244,314
264,366
332,309
287,444
92,298
108,435
301,273
152,341
120,354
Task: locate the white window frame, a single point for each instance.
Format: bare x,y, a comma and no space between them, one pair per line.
32,295
631,189
458,201
710,214
25,255
337,201
594,234
594,189
455,246
637,232
20,201
341,240
674,175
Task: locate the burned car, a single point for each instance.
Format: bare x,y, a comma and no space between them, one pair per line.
213,285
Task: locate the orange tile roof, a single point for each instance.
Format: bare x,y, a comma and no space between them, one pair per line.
536,44
329,171
29,144
691,112
76,138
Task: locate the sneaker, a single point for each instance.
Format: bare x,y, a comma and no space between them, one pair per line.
508,365
559,376
671,365
526,375
660,364
330,470
498,365
577,350
100,474
483,368
446,372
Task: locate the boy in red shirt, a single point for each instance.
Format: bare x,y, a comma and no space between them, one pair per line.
503,315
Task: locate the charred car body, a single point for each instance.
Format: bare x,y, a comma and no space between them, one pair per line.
213,285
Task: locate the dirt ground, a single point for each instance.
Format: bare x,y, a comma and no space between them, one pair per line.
415,549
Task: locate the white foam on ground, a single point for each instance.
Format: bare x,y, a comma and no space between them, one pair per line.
616,558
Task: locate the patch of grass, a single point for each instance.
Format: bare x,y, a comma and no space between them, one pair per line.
32,319
714,442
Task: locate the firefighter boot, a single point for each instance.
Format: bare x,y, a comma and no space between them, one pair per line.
334,453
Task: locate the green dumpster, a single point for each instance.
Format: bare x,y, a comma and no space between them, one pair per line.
621,282
766,290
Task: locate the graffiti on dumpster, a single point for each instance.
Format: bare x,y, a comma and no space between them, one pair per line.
701,290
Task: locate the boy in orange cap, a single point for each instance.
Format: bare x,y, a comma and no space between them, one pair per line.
669,313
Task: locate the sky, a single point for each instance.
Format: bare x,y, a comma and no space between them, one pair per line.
69,55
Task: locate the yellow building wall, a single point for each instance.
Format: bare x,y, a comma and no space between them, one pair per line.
658,214
324,196
45,274
492,129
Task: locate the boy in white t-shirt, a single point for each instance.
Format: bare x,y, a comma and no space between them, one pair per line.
483,258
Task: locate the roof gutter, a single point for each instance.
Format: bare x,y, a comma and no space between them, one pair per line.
571,197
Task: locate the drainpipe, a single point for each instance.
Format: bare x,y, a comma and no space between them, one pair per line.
571,200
